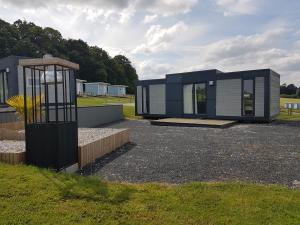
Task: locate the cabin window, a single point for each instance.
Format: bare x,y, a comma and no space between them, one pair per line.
3,87
200,98
194,98
248,98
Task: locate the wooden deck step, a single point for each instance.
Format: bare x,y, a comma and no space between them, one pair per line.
214,123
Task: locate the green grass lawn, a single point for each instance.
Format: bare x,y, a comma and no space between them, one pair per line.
98,101
29,195
128,111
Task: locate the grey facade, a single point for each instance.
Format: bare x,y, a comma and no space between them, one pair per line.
9,67
244,95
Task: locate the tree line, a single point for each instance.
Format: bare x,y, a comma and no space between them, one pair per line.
289,90
24,38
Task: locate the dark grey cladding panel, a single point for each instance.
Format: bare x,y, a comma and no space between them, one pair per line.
211,99
12,63
192,77
244,74
199,76
149,82
173,78
174,92
174,108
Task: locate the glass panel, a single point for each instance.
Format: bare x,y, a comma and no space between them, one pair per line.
248,98
188,99
5,87
200,98
1,88
145,108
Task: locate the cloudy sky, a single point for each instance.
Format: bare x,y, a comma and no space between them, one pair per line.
166,36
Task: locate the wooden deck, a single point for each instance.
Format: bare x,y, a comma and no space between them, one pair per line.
193,122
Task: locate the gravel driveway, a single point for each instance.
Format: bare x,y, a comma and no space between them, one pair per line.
268,153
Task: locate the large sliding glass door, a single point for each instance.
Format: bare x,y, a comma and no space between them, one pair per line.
3,87
194,98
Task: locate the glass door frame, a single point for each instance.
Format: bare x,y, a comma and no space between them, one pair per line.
145,99
194,98
253,101
3,77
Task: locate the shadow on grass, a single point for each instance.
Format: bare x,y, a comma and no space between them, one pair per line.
106,159
75,187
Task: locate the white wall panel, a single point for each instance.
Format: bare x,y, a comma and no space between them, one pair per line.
229,96
259,96
157,99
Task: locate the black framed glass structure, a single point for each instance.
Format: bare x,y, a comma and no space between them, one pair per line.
50,112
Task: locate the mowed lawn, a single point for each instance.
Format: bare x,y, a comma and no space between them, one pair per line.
128,110
29,195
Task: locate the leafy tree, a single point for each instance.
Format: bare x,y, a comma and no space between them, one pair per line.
26,39
298,93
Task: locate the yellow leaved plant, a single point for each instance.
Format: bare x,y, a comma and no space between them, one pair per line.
17,102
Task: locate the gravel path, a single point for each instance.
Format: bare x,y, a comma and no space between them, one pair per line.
89,135
268,153
12,146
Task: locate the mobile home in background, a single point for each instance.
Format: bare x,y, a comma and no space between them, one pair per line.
95,88
116,90
80,86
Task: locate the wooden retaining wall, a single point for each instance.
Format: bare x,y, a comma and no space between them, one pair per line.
87,153
12,157
92,151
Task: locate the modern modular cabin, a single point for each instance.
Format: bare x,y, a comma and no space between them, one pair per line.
244,95
12,83
11,80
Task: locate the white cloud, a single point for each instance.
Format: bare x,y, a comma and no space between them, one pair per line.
237,7
166,7
159,38
125,9
239,45
249,52
150,18
149,69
